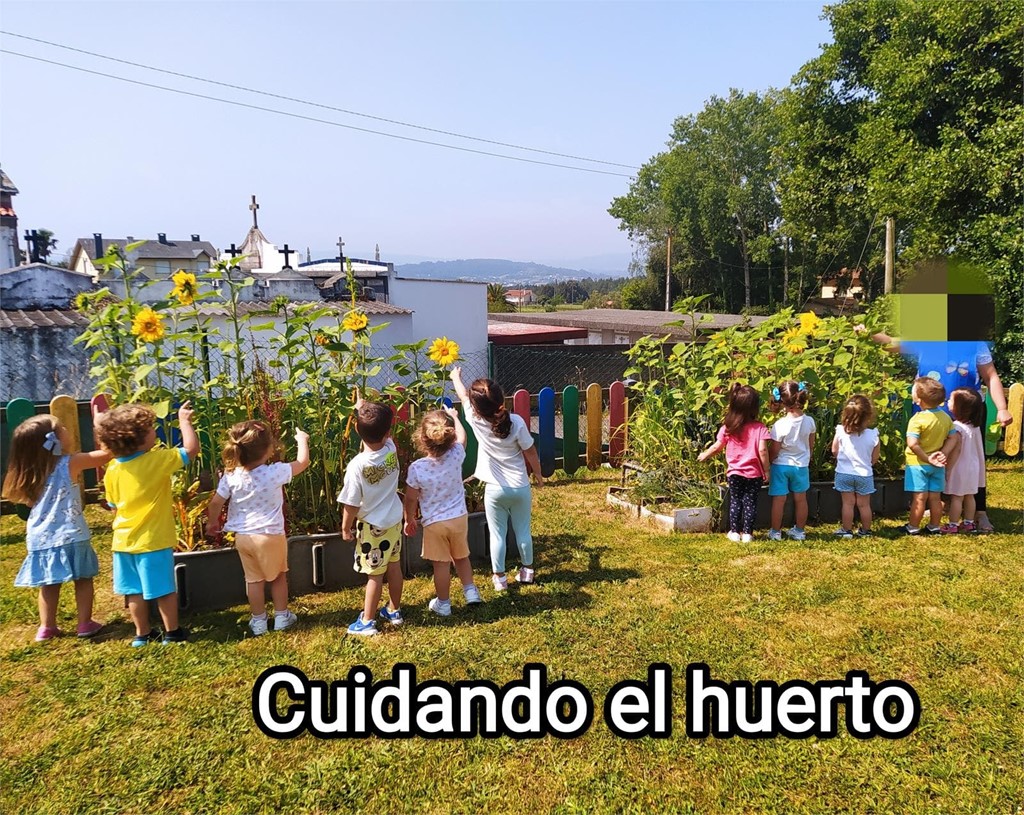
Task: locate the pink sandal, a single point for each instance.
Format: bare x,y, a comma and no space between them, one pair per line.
45,633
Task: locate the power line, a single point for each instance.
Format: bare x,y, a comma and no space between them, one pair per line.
310,104
311,118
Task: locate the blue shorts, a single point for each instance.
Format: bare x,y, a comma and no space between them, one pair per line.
860,484
924,478
785,478
150,574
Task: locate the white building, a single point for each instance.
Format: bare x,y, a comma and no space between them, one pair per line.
9,250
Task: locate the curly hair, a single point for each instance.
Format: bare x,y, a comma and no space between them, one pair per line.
248,442
29,462
123,430
436,434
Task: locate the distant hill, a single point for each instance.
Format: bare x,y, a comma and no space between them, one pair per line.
508,272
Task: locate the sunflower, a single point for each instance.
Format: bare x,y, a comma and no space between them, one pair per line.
809,323
321,338
444,351
148,326
355,321
185,287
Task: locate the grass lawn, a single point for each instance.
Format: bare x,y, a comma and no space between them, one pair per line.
101,727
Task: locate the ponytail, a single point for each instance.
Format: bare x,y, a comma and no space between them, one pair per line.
501,423
488,401
247,443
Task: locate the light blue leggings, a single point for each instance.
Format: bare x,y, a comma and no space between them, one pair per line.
500,504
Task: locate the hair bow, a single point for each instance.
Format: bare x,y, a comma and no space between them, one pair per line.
776,395
52,443
802,387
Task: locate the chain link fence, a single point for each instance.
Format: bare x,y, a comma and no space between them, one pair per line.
532,367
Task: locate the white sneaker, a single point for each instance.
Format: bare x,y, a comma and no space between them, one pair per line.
442,607
745,538
258,626
500,582
734,537
525,576
286,619
472,595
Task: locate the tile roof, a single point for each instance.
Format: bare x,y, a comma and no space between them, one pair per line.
50,318
154,250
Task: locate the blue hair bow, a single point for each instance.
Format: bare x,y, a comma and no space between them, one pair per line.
802,387
52,443
776,395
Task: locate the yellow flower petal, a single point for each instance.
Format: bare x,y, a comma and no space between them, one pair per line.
147,325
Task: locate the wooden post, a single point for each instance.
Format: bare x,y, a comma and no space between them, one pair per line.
890,254
668,274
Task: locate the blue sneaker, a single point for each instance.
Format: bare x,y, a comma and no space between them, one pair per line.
774,535
145,639
361,628
796,534
393,617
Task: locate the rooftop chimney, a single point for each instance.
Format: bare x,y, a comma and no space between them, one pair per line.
97,242
195,238
162,237
130,239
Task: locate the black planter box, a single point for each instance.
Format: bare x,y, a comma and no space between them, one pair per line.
824,504
209,580
321,562
413,562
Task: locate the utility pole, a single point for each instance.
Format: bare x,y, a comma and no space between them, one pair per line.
668,273
890,253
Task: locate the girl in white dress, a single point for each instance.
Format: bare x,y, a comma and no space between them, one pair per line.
965,467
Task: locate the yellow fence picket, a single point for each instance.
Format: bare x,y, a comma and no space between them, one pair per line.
594,422
1015,404
65,408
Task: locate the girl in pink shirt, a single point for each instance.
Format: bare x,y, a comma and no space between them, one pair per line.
745,441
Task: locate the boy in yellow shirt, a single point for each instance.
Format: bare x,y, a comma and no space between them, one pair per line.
928,433
138,486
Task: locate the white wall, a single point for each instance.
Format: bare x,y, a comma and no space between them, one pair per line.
8,234
447,308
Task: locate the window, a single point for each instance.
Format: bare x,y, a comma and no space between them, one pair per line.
162,268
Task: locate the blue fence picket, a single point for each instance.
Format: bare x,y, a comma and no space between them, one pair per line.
546,430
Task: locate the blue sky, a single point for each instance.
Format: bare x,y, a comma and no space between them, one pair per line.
600,80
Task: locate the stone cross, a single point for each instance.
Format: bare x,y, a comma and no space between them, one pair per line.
253,207
234,251
286,252
33,240
341,251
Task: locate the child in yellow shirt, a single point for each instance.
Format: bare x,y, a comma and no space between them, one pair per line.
929,434
138,486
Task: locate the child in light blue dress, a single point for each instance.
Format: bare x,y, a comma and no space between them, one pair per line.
56,535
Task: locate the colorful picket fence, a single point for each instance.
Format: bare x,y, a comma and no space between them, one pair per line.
593,410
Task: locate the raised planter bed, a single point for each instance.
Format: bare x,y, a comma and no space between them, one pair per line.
213,579
479,547
690,519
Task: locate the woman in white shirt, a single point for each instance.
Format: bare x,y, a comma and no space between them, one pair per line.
505,449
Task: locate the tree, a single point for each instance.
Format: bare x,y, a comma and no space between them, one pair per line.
915,111
45,243
496,302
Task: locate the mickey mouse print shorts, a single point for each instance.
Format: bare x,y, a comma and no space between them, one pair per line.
376,548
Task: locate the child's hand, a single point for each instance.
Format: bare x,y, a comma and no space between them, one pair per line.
212,527
185,413
359,399
348,534
937,459
301,435
410,527
456,373
538,479
451,412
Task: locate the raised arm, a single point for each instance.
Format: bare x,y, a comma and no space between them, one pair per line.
189,439
302,456
460,431
460,389
87,461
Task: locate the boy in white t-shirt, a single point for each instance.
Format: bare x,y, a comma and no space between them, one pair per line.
856,448
372,516
434,487
252,489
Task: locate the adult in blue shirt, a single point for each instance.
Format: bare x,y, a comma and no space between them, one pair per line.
957,364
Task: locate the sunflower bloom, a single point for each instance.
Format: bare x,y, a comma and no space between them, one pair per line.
321,339
809,323
444,351
148,326
355,321
185,287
